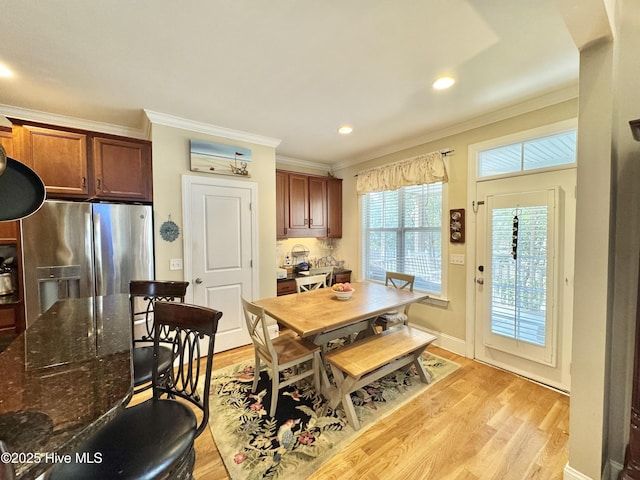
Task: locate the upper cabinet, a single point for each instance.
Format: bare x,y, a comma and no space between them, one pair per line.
58,157
6,140
282,205
8,230
334,208
308,205
122,169
75,164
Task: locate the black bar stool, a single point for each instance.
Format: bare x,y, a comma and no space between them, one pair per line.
155,439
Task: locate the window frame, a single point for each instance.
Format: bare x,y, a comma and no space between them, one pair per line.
435,298
518,138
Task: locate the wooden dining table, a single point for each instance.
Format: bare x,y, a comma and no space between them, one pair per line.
321,317
311,314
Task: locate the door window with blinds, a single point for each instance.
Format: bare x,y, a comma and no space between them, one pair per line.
521,265
402,232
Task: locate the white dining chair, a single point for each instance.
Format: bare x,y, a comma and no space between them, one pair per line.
400,281
312,282
286,351
328,271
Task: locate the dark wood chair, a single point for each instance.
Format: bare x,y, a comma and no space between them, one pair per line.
143,294
155,439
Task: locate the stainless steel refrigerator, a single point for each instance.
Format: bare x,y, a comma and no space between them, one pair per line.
74,249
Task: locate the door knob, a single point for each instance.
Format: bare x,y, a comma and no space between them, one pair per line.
198,281
480,281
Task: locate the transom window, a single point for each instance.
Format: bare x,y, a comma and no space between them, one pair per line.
543,152
402,232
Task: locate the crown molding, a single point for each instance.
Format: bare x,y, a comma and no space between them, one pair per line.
71,122
558,96
303,163
191,125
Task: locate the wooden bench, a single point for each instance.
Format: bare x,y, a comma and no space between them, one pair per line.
364,361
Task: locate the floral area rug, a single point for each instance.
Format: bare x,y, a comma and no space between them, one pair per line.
305,433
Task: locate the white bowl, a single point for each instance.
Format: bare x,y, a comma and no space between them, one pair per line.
343,295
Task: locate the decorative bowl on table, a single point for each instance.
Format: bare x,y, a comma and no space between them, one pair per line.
343,291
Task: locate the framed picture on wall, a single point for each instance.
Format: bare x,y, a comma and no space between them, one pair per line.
220,159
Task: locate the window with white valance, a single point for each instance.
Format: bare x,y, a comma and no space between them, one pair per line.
402,220
419,170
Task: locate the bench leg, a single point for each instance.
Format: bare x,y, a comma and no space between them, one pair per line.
422,372
350,411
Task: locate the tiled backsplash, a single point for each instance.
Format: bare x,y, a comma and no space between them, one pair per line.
318,248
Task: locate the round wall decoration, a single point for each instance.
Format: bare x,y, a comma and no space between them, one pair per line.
169,231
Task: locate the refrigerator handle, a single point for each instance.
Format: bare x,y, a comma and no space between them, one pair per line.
97,248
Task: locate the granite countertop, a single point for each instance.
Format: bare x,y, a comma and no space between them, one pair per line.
294,275
62,378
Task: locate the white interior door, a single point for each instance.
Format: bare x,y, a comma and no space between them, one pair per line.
219,244
524,275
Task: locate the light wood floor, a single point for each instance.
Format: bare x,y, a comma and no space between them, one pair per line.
477,423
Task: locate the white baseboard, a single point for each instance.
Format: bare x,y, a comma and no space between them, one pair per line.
615,469
612,470
573,474
453,344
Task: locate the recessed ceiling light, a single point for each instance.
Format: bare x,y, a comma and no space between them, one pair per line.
5,72
443,83
345,130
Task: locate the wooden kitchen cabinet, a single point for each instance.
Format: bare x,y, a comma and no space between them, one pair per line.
82,165
318,206
334,208
59,157
122,169
298,205
305,204
9,233
286,287
282,205
6,140
342,277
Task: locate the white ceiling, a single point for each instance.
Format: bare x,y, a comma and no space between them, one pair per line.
292,70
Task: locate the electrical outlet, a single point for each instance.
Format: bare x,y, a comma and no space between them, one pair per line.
457,259
175,264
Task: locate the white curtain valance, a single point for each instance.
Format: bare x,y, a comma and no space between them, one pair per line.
419,170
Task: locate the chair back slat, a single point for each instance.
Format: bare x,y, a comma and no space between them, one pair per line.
189,324
327,271
147,293
258,330
400,280
312,282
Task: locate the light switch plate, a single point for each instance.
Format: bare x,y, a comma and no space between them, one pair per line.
175,264
456,258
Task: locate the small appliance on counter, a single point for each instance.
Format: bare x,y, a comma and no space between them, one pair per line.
302,267
281,273
300,254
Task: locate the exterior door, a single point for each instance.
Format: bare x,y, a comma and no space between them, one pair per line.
524,275
219,244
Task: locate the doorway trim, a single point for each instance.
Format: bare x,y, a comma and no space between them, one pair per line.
472,179
188,181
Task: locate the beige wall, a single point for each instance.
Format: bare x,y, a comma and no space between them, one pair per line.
171,160
449,321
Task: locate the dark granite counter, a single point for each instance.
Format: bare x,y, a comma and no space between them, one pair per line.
62,378
294,275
